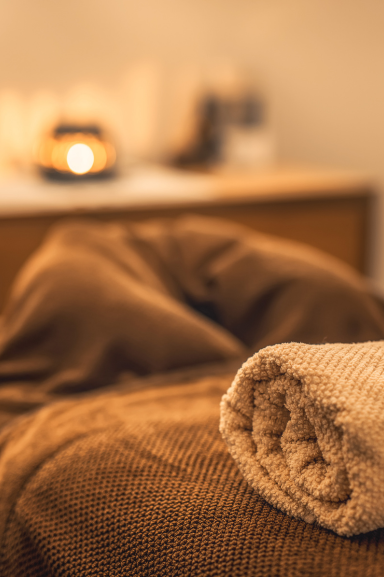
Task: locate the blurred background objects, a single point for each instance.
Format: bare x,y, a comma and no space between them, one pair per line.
201,84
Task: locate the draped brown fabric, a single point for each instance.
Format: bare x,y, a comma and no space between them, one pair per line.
140,483
98,300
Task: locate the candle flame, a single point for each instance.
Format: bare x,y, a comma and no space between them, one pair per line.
80,158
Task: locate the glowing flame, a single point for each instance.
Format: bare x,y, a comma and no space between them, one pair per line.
76,153
80,158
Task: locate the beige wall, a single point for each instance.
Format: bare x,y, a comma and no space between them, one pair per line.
321,61
57,43
324,63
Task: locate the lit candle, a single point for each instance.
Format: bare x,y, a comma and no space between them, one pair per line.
80,158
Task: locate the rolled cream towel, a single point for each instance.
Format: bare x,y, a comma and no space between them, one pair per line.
305,425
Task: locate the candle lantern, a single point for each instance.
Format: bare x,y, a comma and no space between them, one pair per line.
76,152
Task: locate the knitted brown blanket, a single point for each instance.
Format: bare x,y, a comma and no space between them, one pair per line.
141,483
306,426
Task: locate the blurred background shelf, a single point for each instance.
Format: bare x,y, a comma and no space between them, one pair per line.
327,209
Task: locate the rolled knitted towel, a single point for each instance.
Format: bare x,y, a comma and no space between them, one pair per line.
305,424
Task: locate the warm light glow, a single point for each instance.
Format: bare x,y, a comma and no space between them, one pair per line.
80,158
79,153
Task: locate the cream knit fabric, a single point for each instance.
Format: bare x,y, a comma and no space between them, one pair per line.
305,424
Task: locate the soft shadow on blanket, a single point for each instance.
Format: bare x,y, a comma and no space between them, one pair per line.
135,479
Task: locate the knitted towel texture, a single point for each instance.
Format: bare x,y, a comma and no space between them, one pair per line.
305,425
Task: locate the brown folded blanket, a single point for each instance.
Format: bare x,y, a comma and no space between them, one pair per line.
305,424
101,300
141,483
133,484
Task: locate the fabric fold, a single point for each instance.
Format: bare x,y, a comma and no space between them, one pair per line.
305,425
100,300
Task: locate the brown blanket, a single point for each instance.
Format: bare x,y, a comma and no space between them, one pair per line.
98,300
140,483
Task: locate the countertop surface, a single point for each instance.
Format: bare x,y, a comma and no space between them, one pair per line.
150,186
